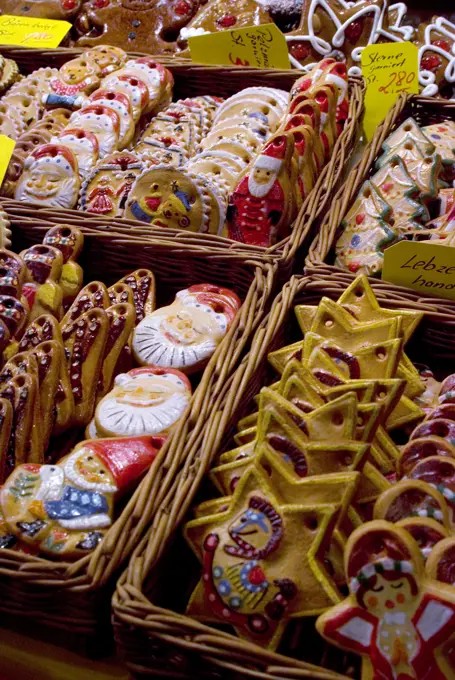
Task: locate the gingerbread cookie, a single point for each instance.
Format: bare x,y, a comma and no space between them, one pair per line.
395,617
106,190
50,177
185,334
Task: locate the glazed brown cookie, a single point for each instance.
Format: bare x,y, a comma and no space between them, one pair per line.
93,295
84,341
134,25
142,283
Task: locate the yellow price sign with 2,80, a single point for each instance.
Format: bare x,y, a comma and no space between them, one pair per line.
389,69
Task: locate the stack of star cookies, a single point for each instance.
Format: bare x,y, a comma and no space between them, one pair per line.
409,195
311,465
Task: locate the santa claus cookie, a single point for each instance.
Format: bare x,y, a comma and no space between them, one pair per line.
50,177
106,190
119,102
84,146
185,334
103,122
132,87
259,205
144,401
65,509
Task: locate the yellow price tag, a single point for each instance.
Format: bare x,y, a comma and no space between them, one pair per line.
32,32
422,266
259,46
6,149
388,69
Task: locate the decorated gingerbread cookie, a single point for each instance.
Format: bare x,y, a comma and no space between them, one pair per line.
50,177
106,190
145,401
185,334
83,144
65,509
395,617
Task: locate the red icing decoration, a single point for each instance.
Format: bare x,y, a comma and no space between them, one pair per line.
387,186
256,576
354,30
68,4
360,218
443,44
299,50
431,63
354,266
182,8
227,21
101,3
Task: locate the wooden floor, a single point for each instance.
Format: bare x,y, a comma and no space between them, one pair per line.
22,658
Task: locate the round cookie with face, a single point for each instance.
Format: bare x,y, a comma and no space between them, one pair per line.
107,188
168,197
186,334
78,76
144,401
50,177
83,144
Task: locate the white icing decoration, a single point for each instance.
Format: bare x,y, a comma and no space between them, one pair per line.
99,521
186,33
359,630
69,468
434,617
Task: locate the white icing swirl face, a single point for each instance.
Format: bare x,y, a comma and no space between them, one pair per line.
144,404
179,336
49,182
186,33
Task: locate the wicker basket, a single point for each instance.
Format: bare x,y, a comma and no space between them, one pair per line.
74,597
196,79
426,111
155,637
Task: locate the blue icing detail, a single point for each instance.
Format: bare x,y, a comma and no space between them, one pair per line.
235,602
218,572
436,136
224,588
355,240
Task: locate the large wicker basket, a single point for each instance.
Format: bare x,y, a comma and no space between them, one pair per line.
74,597
426,111
196,79
154,635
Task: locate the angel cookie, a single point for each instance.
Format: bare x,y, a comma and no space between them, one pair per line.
395,616
185,334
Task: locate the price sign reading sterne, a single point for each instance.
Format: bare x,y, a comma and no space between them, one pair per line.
389,69
259,46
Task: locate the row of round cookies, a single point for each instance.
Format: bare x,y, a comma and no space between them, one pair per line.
240,168
337,500
411,195
94,358
313,29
